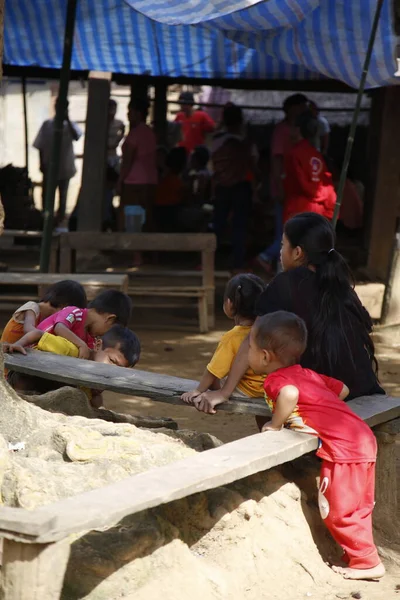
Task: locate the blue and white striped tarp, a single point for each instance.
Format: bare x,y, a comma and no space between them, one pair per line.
247,39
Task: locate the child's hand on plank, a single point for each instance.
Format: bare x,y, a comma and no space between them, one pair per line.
189,397
84,352
207,402
10,348
269,427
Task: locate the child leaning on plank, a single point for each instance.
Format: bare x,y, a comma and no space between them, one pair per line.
301,399
241,295
29,315
119,346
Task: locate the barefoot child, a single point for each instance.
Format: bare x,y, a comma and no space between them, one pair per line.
82,326
303,400
29,315
241,295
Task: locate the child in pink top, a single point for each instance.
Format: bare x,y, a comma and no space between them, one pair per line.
82,326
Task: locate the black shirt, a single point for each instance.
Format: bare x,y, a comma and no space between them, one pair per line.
296,291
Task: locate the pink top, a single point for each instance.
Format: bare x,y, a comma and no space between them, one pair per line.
72,317
282,141
142,141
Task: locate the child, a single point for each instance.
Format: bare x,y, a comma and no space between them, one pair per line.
241,294
119,347
27,317
303,400
82,326
170,194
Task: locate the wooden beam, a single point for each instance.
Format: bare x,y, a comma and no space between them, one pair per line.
385,208
160,111
198,473
91,195
169,242
161,388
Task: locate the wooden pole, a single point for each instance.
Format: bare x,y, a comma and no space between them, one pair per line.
54,164
160,111
350,139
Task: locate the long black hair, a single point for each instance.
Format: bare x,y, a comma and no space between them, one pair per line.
243,291
338,305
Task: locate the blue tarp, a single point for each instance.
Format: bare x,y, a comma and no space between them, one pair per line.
234,39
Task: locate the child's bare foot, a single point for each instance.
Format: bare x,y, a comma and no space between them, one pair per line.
369,574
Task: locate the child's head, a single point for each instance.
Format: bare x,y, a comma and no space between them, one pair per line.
65,293
241,295
120,346
107,309
276,340
199,158
307,126
176,160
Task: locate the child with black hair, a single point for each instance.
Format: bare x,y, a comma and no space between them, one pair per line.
28,316
303,400
119,346
241,295
82,326
170,195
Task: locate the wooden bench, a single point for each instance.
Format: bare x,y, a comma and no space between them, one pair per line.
36,549
41,281
15,240
205,243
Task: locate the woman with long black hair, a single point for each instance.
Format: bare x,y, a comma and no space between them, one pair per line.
316,285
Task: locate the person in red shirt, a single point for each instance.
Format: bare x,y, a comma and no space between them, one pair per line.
195,123
307,183
301,399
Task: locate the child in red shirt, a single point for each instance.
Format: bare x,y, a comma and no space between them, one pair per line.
303,400
307,182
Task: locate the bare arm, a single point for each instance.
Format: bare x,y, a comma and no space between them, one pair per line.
207,401
207,381
29,321
128,157
63,331
285,405
344,393
74,134
32,337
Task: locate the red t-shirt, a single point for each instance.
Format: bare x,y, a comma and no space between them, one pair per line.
345,437
194,128
72,317
307,183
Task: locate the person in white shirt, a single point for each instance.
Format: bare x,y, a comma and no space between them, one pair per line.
67,169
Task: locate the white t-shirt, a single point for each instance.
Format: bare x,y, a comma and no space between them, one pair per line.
43,142
19,315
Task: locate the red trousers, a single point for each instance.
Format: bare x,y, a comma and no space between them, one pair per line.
346,502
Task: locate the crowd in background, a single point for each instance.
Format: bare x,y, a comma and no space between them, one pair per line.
213,176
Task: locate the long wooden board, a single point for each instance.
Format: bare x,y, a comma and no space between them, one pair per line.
101,280
173,242
162,388
198,473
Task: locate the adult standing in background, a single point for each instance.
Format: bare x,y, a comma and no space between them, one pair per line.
43,143
195,124
232,162
116,131
283,138
322,137
138,176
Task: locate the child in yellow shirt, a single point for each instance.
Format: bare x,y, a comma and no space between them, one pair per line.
241,295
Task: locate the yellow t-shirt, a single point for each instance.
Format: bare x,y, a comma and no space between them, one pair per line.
57,345
251,384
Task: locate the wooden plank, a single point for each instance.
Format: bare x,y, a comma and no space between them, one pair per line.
106,280
169,242
162,388
200,472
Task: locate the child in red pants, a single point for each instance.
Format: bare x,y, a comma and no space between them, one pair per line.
303,400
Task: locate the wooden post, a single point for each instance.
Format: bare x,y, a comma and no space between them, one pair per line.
207,264
91,195
160,111
391,298
386,203
139,87
33,571
386,507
